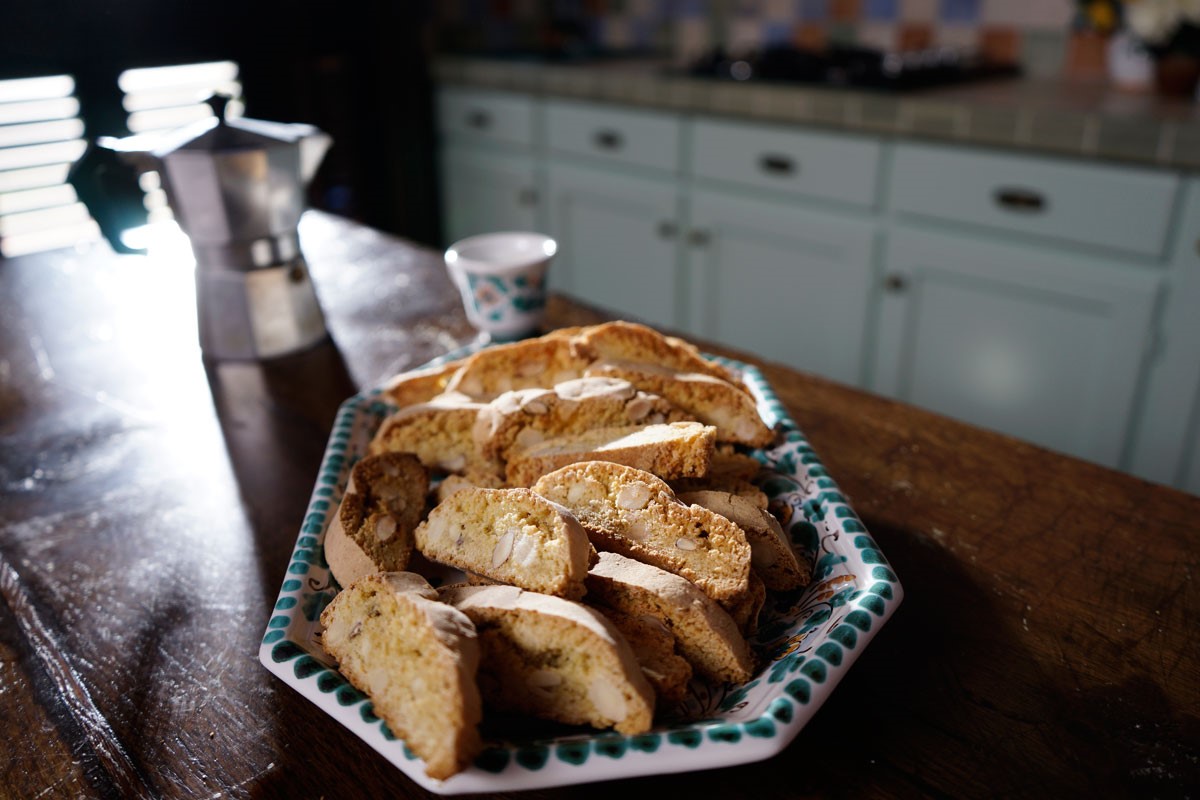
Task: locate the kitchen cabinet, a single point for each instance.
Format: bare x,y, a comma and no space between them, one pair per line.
616,238
1168,441
614,207
485,191
1046,298
490,177
1044,346
782,281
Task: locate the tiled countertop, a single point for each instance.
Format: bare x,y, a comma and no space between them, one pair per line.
1085,120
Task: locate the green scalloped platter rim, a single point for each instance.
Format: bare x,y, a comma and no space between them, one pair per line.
808,639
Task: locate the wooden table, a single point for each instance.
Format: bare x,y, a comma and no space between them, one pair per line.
1047,646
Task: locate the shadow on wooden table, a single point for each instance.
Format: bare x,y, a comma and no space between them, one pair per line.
275,417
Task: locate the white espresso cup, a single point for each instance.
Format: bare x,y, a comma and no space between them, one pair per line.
502,279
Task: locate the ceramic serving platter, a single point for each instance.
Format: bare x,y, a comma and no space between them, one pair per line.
806,640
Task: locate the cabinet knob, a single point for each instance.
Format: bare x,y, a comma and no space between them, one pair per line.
699,237
527,197
895,282
608,140
479,119
774,164
667,229
1024,201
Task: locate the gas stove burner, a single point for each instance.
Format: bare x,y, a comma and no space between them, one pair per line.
843,65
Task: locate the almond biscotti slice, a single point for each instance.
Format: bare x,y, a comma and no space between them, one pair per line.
629,341
531,363
654,648
771,555
416,658
438,432
419,385
470,479
509,535
527,416
634,513
372,529
744,609
704,633
554,659
670,450
723,484
708,399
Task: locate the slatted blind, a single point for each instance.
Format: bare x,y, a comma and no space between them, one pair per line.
159,99
41,135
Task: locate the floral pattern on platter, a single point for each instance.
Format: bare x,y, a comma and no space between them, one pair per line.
807,639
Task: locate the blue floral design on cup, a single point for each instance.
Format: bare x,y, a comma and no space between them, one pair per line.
502,279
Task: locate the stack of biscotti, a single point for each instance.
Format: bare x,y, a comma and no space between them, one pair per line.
594,487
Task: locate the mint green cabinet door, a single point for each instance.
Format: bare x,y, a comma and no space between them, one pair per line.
1040,345
1168,441
487,190
616,240
781,282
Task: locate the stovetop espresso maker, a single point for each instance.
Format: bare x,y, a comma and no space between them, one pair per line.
237,189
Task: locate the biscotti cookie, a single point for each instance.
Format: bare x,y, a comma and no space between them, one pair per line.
744,609
468,480
724,484
629,341
509,535
438,432
419,385
527,416
554,659
416,658
708,399
540,362
771,555
671,450
654,648
372,529
634,513
704,633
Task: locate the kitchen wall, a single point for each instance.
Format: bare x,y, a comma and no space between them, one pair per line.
1033,32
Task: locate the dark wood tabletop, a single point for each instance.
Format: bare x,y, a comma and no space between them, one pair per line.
1047,645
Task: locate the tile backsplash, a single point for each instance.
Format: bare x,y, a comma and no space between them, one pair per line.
1033,32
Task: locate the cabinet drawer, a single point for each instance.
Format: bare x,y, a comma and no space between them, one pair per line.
486,116
841,168
1116,208
636,138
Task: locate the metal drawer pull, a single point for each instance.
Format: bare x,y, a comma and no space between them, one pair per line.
608,140
479,119
699,237
777,165
895,283
1025,201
